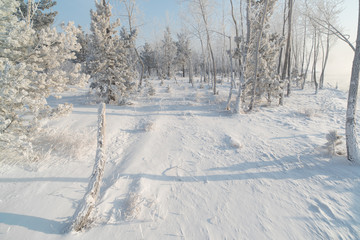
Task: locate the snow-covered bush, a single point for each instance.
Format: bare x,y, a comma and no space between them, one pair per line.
132,206
64,143
151,90
232,142
168,89
333,142
146,125
149,126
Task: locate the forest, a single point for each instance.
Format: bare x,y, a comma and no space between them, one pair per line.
234,101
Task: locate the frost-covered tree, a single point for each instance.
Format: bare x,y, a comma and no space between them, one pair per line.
352,144
132,12
33,66
112,76
183,51
263,49
38,11
83,40
148,57
169,52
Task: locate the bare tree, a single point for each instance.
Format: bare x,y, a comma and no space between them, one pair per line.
202,8
323,16
316,45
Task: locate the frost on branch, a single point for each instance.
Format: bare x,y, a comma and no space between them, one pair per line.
33,66
333,143
110,70
82,216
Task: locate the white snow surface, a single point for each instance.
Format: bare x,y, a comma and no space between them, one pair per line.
181,167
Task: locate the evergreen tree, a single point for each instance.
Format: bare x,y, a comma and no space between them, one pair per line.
33,66
183,51
169,51
108,66
40,14
262,54
83,40
148,57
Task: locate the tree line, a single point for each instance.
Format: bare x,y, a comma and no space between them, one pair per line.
264,48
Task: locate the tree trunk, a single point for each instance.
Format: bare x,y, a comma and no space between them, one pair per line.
29,10
283,35
233,84
316,53
307,67
258,42
352,146
191,78
142,67
204,17
82,215
244,50
287,66
322,76
304,49
232,78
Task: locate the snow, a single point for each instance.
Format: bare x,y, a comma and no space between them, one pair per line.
181,167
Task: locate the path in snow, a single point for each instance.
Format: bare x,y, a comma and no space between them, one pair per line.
184,178
180,167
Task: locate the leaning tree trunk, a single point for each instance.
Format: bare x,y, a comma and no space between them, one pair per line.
81,218
352,146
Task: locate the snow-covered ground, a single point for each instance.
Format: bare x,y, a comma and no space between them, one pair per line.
180,167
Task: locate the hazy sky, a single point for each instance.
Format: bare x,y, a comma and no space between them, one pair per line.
156,14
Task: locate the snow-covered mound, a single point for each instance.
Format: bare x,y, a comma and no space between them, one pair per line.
181,167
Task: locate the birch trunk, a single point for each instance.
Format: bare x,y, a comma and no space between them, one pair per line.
322,76
233,84
244,50
204,17
352,146
287,66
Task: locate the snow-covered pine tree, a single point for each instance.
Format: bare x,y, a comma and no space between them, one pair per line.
112,76
33,66
169,52
129,39
83,40
183,51
148,57
262,55
40,12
